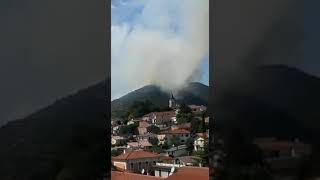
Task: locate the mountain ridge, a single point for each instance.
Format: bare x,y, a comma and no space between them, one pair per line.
194,92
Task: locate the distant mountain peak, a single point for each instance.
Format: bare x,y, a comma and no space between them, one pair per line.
195,93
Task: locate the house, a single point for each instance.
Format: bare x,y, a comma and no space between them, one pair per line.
118,140
161,138
160,118
200,141
189,160
140,144
176,151
116,128
181,126
117,175
184,126
163,169
116,121
143,127
146,136
196,108
133,121
182,135
136,161
190,173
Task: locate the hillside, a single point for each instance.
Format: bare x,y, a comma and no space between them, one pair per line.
193,93
66,139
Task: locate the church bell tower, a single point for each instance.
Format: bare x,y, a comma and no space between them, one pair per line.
172,101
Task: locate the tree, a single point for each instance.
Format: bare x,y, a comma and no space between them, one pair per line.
195,123
201,127
140,108
156,148
185,109
204,154
115,152
153,129
184,118
129,129
173,140
154,141
189,144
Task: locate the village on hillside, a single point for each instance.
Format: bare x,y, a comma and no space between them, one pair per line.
168,144
173,143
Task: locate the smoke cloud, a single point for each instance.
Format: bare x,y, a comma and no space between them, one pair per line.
164,45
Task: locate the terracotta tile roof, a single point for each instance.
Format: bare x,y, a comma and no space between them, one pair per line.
190,173
175,131
117,175
165,113
203,135
135,155
184,126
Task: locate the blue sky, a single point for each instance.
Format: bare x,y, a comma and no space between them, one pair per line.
158,33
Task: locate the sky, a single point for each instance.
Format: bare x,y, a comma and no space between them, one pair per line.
162,42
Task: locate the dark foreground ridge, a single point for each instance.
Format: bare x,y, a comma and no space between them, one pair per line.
65,140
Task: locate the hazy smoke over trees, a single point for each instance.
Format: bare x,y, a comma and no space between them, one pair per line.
164,45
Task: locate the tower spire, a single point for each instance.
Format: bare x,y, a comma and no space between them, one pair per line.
172,95
172,101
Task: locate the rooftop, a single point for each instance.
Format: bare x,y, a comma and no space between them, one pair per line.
142,143
189,159
196,106
175,131
117,137
176,148
117,175
135,155
165,113
190,173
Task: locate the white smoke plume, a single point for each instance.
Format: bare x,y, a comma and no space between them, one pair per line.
164,45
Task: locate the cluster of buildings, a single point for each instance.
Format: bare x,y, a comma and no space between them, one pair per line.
137,158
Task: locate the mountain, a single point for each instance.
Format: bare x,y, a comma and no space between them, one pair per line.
192,93
276,100
66,140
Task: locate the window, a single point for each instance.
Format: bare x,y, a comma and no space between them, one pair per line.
159,173
139,165
131,165
182,141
